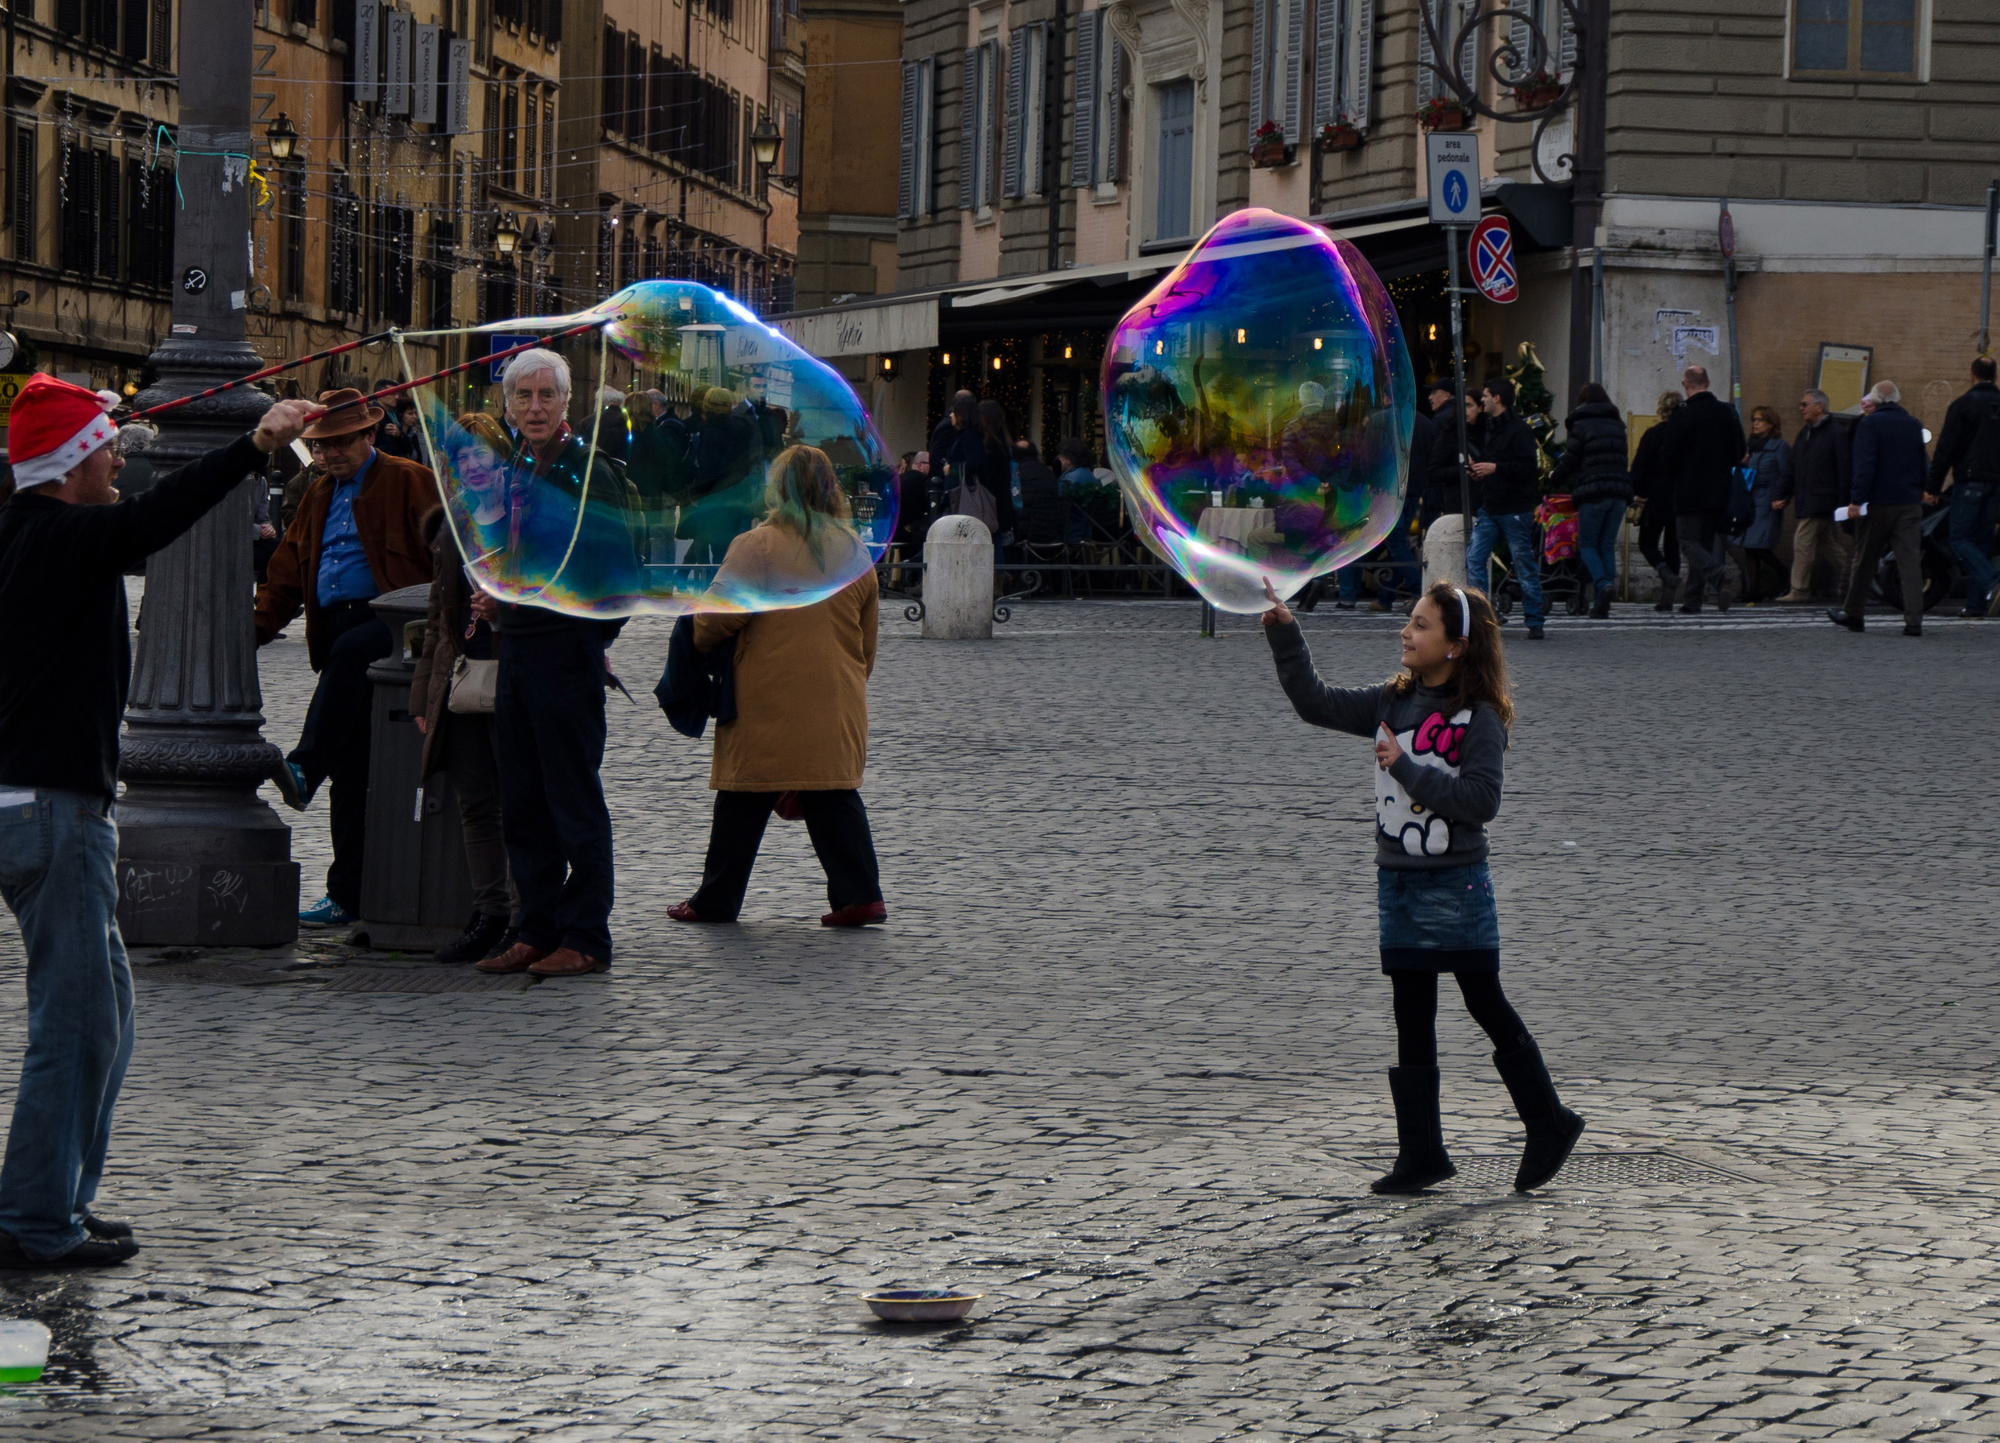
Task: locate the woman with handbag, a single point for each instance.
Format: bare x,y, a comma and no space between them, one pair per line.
451,697
799,740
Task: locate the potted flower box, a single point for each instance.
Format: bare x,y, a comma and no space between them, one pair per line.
1443,113
1267,146
1536,92
1339,136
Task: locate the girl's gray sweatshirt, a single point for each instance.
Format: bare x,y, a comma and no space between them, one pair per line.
1432,806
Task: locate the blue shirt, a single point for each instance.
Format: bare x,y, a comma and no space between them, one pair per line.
344,574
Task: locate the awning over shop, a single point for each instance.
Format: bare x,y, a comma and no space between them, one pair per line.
872,328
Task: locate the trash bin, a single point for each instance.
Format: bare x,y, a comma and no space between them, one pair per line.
415,891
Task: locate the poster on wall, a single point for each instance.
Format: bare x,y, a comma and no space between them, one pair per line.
1843,375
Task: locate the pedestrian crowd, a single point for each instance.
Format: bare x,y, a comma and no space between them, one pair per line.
1704,493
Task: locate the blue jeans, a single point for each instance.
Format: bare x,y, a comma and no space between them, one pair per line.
1597,524
1398,576
1975,507
1519,529
1437,919
59,874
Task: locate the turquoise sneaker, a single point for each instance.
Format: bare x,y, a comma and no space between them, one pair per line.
326,913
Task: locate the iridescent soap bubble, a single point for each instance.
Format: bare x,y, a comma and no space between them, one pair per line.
708,508
1258,406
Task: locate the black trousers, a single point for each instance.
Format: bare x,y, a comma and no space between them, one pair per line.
1416,1014
1657,541
837,824
548,732
333,745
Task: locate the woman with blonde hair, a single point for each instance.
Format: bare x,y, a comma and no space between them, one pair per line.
1656,521
799,742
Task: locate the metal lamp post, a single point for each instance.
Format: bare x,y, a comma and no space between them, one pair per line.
202,858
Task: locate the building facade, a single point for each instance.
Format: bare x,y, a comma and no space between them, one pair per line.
1056,156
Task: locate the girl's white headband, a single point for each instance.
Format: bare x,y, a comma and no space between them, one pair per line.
1464,613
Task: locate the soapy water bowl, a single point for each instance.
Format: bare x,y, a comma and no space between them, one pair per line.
920,1305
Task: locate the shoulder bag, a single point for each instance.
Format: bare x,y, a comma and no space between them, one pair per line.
473,684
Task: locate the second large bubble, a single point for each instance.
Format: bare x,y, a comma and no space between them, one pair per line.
739,474
1258,407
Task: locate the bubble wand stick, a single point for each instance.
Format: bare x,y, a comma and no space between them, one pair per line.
260,375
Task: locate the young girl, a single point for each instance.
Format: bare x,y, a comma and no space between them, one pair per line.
1440,729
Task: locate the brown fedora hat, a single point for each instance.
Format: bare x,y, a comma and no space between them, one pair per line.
364,417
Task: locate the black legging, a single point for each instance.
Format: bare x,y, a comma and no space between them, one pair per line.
1658,542
1416,1014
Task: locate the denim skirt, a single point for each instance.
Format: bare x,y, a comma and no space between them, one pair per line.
1439,920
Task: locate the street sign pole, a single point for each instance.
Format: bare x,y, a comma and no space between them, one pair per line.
1986,274
1725,231
1454,198
1451,243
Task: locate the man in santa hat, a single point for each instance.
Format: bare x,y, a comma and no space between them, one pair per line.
66,541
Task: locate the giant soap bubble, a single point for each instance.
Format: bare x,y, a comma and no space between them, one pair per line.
1258,407
656,527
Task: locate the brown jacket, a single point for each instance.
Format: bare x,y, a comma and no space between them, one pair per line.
801,680
430,687
388,514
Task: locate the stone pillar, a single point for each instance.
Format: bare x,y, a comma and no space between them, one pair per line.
1444,550
958,580
201,858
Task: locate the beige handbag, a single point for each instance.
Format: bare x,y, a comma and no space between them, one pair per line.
473,684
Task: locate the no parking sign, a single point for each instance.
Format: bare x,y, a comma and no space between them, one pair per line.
1493,261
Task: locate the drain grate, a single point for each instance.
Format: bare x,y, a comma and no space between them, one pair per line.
1486,1171
228,974
410,979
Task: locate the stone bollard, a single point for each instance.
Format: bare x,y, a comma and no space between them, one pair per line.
1444,550
958,579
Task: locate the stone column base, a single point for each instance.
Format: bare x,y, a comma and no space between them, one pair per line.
162,903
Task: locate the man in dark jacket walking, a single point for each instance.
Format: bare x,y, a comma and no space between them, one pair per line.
1506,485
66,541
1701,446
1889,488
1817,481
1970,445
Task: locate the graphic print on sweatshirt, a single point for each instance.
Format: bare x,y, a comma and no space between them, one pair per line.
1404,821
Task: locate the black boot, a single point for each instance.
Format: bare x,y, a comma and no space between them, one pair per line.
1421,1160
1552,1128
1600,605
475,942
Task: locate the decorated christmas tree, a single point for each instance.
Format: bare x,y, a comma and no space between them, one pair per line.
1532,402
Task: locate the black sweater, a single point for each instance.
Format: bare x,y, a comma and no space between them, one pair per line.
68,660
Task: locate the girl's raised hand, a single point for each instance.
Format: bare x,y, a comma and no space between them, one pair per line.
1279,614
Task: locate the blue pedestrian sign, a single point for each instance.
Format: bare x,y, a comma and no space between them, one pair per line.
1454,176
496,344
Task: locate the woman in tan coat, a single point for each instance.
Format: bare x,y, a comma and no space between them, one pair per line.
801,698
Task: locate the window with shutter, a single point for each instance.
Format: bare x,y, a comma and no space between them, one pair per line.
292,213
1113,127
1017,69
162,48
21,193
1084,86
510,137
305,12
138,28
1293,118
1327,18
69,18
1260,63
906,177
612,107
108,191
76,183
1174,203
968,128
656,100
1429,87
552,19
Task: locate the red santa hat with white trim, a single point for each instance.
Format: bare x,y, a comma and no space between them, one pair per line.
54,427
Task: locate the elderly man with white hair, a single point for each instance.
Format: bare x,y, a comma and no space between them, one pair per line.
1890,471
66,541
549,699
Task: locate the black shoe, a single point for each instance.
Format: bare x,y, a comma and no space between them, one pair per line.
1421,1160
1534,633
1973,613
1913,628
1344,605
99,1227
1665,603
1552,1128
507,940
475,943
1691,608
1841,618
1600,609
90,1253
1721,602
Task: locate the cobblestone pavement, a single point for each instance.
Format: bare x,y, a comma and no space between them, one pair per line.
1117,1062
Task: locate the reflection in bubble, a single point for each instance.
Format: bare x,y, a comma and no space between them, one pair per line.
1258,407
619,515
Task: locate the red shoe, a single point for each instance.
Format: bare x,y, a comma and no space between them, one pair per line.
518,958
861,914
567,962
685,912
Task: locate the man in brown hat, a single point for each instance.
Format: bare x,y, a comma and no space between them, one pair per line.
358,534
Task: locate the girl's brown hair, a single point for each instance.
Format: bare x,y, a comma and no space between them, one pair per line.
1480,673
